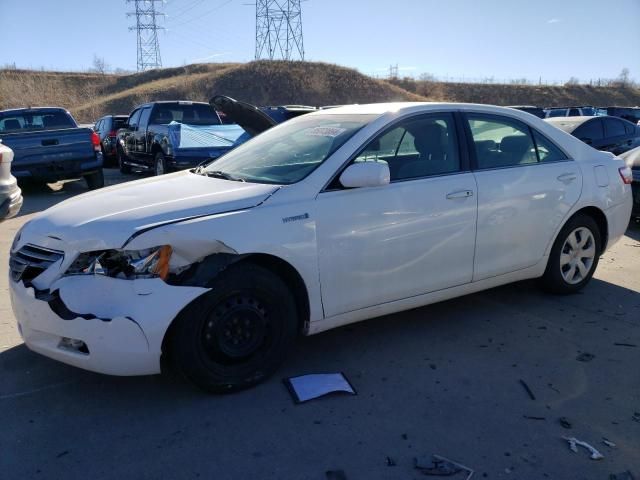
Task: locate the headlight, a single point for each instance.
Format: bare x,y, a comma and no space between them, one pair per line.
125,264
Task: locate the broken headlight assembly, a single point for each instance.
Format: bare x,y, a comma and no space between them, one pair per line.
124,264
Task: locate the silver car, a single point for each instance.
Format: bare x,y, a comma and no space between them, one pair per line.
10,194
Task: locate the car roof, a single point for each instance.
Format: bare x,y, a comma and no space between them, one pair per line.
399,107
34,109
568,124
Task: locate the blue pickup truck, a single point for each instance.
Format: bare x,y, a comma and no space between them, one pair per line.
49,146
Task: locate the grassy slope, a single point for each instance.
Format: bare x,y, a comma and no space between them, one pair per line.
89,95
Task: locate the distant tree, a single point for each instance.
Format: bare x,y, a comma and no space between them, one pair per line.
572,81
99,65
623,78
427,77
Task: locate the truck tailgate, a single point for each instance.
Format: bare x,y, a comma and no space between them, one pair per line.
49,146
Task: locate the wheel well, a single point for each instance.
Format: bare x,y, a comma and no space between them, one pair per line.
290,277
283,269
601,220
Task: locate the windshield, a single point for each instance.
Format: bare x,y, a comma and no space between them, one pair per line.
288,153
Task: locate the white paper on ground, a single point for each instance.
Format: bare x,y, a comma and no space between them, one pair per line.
308,387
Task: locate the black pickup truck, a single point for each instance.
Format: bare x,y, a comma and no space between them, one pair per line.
174,135
49,146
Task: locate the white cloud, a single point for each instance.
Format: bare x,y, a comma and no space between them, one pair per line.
553,20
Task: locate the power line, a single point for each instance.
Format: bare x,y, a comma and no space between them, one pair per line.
147,33
279,30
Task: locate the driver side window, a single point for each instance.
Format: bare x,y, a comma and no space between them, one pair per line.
418,147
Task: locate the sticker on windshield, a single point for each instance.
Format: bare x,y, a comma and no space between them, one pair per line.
331,132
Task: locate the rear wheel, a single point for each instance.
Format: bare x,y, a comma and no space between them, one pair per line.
160,164
124,168
95,180
574,256
238,333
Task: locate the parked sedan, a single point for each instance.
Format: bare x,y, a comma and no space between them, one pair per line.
10,193
611,134
327,219
107,129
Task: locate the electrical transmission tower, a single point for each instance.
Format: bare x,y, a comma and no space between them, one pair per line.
147,28
279,30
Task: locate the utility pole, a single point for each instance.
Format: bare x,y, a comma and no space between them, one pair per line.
279,30
147,29
393,71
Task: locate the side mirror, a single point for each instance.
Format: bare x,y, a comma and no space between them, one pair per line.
366,174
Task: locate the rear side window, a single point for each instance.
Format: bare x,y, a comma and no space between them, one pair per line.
590,131
501,142
189,113
119,123
418,147
28,121
134,119
574,112
144,117
613,127
558,112
547,151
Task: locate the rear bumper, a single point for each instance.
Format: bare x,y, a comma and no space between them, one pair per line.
618,218
58,170
10,203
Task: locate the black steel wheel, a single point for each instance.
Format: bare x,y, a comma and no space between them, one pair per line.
237,334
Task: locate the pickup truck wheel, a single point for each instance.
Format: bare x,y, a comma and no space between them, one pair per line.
237,334
121,162
95,180
574,256
160,164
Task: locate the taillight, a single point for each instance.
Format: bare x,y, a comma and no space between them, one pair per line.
626,174
95,141
0,157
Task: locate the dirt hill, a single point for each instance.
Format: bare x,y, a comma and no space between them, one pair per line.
90,95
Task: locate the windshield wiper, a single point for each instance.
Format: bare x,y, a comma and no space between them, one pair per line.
223,175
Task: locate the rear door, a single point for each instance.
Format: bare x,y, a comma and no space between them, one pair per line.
130,135
526,187
143,143
619,137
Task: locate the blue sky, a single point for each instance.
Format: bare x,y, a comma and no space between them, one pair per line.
504,39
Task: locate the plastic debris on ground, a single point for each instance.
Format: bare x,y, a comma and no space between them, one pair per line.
336,475
585,357
439,466
574,443
564,422
308,387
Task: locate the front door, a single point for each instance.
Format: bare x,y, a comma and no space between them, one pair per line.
413,236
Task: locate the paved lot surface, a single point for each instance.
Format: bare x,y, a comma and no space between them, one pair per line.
442,379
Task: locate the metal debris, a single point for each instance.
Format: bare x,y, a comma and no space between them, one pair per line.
527,389
574,443
441,467
585,357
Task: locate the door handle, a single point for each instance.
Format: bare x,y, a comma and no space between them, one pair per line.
567,177
460,194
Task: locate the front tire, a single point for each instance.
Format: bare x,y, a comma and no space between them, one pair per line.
237,334
574,256
95,180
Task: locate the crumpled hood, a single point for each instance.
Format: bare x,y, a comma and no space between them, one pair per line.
108,217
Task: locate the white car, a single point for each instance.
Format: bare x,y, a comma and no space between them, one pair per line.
10,193
331,218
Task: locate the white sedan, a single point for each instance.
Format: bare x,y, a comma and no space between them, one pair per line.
331,218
